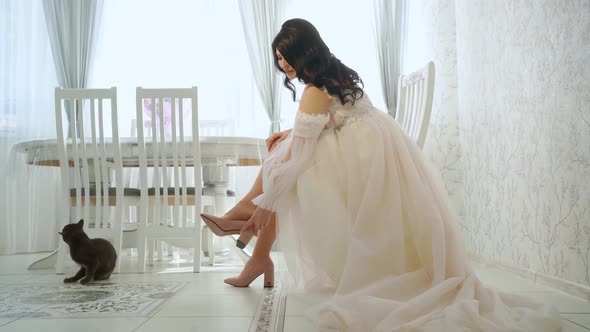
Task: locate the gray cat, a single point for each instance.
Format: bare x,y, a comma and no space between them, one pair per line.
96,257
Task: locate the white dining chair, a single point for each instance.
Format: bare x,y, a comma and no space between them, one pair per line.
91,167
169,202
414,102
214,202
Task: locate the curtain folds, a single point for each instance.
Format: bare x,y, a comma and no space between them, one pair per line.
72,26
28,209
390,32
260,24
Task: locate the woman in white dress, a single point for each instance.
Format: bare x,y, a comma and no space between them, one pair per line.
361,214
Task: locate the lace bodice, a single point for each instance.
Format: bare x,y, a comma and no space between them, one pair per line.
342,115
294,155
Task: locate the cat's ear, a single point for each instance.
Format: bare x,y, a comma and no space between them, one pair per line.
81,223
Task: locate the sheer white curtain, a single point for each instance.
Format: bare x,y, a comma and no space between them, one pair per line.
390,30
419,36
72,26
260,21
185,43
27,206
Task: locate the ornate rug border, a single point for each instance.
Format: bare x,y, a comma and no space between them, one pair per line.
270,314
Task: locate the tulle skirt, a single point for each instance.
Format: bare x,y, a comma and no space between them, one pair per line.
369,222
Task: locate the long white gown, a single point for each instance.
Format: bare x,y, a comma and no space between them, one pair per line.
364,216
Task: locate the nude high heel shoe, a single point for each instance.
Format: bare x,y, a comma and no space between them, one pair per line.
269,277
221,226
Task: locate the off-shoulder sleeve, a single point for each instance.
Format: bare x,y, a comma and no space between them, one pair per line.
291,158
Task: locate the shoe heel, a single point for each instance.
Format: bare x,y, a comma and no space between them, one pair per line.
244,239
269,277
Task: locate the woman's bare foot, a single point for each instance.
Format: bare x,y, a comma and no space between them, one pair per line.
254,268
241,211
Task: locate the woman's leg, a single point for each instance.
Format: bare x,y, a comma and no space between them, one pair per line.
244,208
260,262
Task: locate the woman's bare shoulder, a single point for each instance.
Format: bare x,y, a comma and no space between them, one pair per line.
314,100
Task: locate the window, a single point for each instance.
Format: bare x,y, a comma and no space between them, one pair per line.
184,43
175,44
27,76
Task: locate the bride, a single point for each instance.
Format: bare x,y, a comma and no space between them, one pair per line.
361,214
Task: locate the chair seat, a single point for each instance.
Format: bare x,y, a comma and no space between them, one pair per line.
171,191
189,190
112,192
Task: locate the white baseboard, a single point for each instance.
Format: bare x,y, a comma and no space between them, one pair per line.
540,278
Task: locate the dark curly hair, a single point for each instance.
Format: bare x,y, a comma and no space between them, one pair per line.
300,44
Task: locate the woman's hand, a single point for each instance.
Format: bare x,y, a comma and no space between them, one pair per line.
276,138
259,219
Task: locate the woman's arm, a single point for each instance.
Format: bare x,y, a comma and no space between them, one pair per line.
277,138
282,168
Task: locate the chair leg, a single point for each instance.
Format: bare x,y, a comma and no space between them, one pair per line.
159,249
128,210
208,236
141,255
117,231
150,252
170,250
149,242
118,244
197,251
210,245
141,246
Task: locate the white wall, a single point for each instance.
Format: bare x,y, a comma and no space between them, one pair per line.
524,112
515,81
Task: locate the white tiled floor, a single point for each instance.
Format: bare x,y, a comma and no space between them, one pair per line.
207,304
204,304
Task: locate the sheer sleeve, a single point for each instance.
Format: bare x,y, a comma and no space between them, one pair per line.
284,164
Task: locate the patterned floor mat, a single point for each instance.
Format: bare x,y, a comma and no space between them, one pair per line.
99,300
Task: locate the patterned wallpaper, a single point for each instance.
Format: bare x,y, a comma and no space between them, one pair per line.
521,112
442,143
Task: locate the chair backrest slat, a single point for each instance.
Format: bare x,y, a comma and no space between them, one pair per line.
83,156
414,104
168,149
